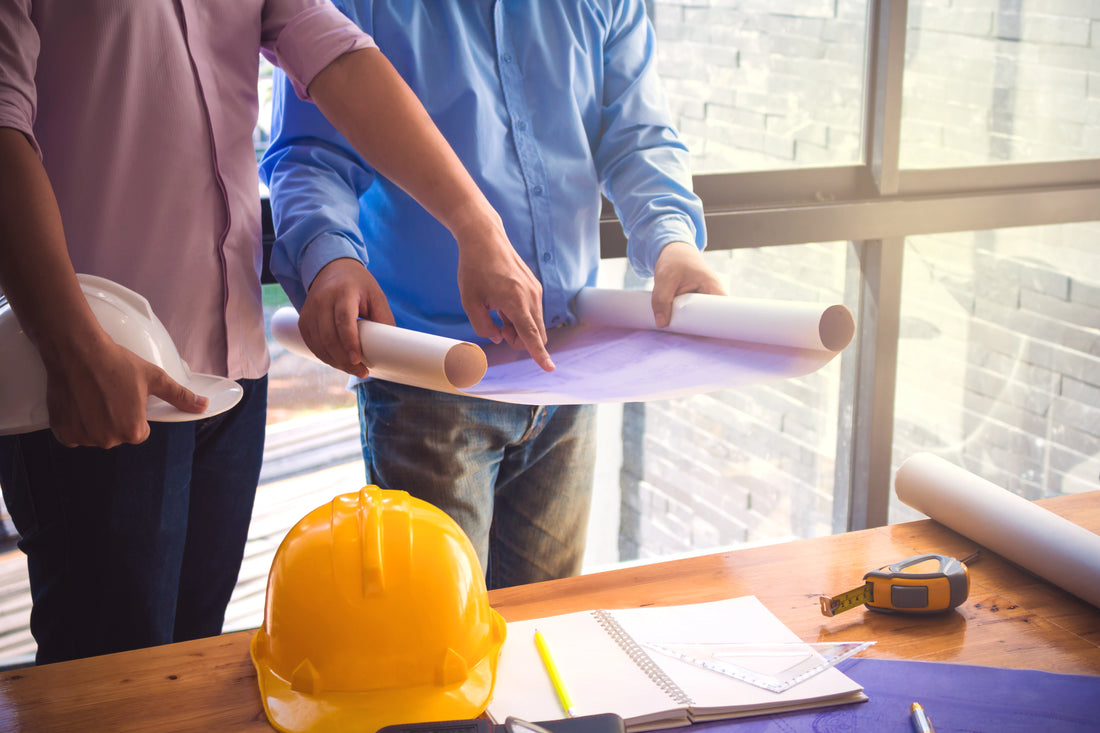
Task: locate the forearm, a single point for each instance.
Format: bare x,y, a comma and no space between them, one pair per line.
368,102
36,273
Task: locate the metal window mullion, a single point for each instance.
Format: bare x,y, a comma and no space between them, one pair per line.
882,101
890,217
869,371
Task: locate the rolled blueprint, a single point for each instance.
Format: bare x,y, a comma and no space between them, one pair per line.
615,353
783,323
398,354
1038,540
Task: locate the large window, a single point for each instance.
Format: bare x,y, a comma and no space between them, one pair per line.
952,193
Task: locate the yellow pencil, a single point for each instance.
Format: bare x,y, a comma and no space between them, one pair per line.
555,675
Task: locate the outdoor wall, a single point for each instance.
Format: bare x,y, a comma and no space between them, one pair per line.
999,357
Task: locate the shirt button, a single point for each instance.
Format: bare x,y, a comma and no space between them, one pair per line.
546,257
507,58
538,190
521,125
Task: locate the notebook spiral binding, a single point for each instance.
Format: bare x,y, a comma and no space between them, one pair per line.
642,660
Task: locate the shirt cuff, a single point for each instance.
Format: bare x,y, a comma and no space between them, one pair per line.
323,250
652,238
312,40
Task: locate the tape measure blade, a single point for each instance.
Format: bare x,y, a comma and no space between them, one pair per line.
847,600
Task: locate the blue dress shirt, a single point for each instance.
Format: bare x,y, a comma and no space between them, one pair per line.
548,103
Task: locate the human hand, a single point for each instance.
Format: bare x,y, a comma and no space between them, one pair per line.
343,292
680,269
492,276
98,398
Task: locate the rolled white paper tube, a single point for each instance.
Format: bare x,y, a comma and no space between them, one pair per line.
1055,549
782,323
398,354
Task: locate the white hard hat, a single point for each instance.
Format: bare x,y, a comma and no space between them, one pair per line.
129,320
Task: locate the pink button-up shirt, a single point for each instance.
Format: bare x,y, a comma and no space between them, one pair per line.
143,112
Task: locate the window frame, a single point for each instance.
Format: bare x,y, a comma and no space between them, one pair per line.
873,207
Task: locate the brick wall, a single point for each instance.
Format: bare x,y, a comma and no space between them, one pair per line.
745,80
999,357
990,80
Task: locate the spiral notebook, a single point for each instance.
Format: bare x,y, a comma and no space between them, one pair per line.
607,664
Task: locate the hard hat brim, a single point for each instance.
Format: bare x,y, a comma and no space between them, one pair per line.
223,394
295,712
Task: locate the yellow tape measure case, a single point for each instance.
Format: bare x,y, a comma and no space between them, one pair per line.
941,585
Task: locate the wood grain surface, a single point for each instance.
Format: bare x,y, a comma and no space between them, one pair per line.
1011,619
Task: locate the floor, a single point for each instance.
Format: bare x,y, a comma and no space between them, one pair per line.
307,461
292,485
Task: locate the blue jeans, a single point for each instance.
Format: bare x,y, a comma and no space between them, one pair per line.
516,478
137,545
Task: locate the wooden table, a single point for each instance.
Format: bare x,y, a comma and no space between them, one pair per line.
1012,619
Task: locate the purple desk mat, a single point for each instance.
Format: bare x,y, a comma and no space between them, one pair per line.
958,698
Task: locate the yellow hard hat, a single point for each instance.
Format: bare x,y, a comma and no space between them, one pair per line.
376,614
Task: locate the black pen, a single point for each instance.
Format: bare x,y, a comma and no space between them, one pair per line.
921,723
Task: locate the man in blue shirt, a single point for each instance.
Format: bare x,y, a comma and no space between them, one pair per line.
548,104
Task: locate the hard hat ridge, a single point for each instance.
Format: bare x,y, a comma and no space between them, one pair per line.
360,538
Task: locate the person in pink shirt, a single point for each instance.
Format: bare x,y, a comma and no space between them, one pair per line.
126,152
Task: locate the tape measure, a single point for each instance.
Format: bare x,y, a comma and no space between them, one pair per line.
919,584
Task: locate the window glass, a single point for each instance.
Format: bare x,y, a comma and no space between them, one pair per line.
739,466
261,134
1000,81
764,84
999,357
299,387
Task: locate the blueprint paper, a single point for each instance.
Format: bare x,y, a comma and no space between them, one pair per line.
958,698
616,354
608,364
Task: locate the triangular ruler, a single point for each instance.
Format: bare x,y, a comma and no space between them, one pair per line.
775,667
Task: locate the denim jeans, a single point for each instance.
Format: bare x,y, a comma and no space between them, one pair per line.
516,478
137,545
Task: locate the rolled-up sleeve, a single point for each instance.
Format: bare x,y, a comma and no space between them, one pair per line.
644,167
18,59
302,38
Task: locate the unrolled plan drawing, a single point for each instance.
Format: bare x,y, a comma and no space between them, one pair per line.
616,353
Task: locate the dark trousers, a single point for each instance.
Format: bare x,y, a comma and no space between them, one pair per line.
138,545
